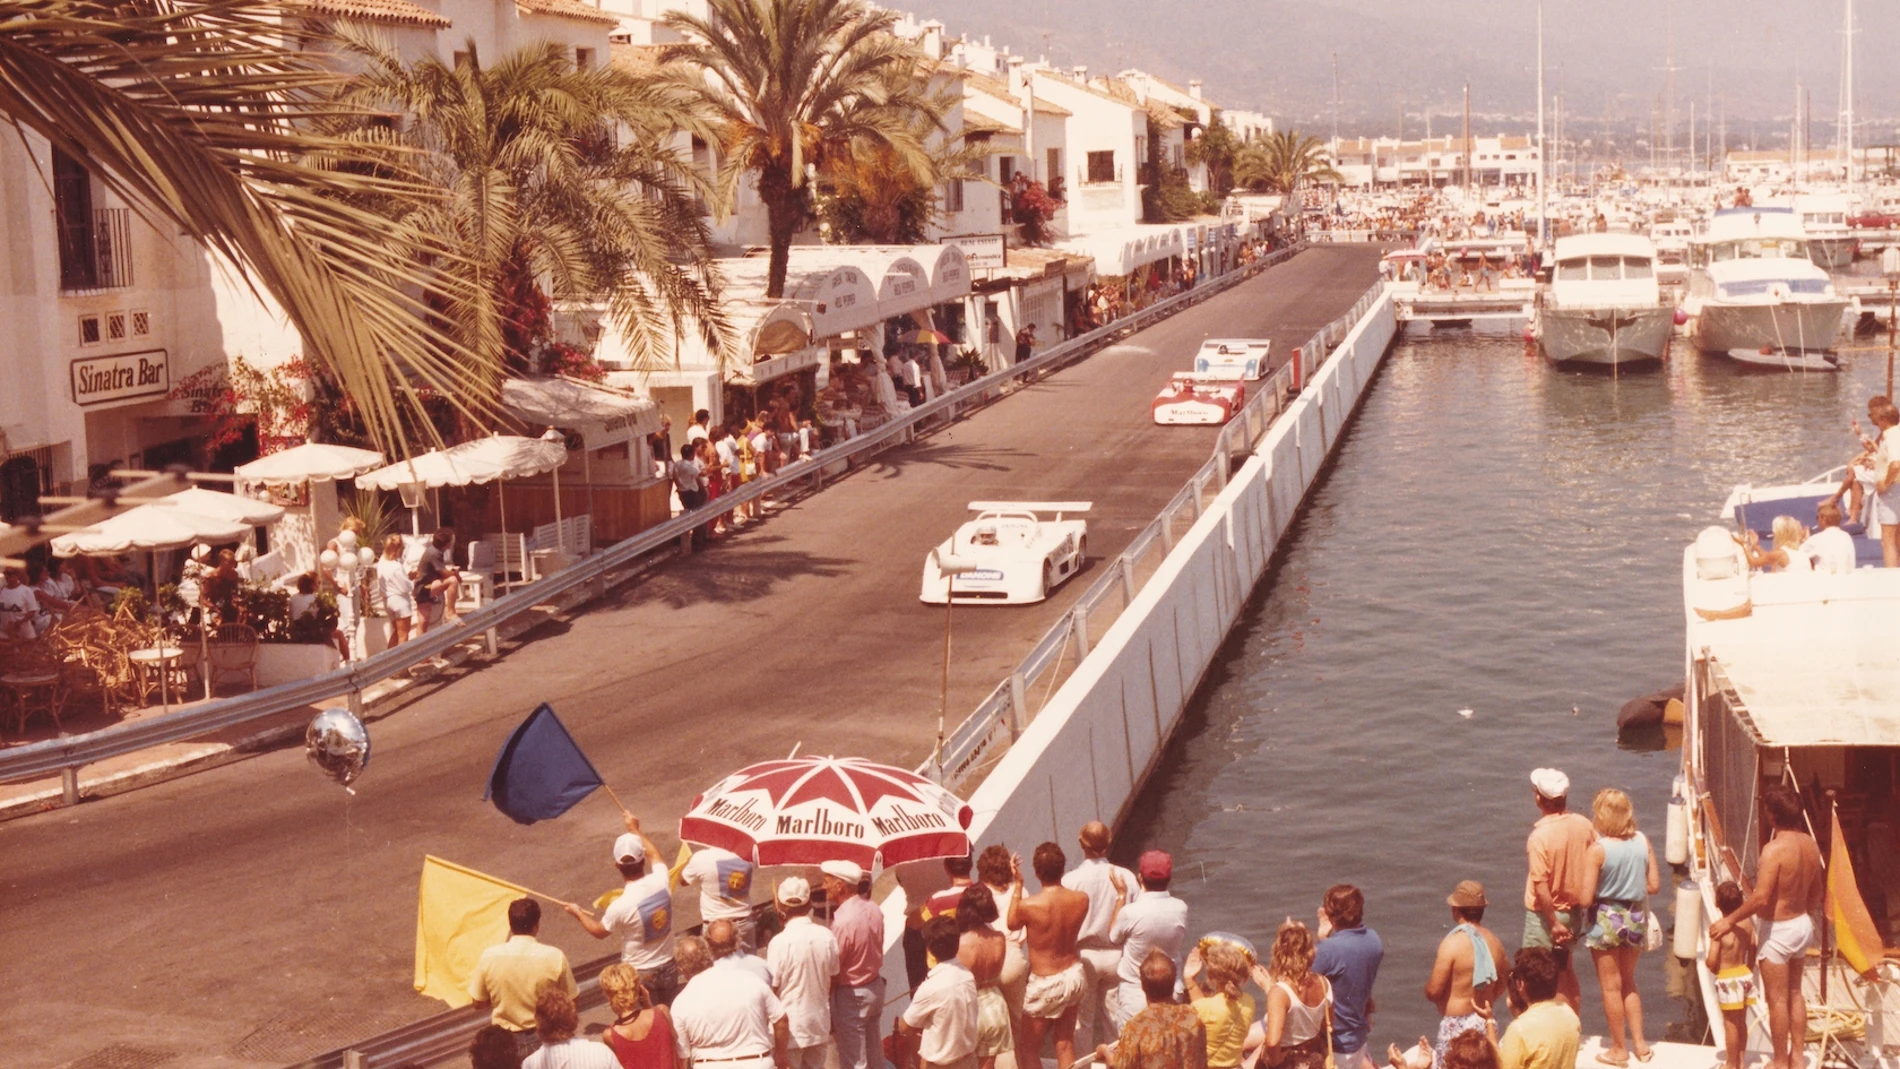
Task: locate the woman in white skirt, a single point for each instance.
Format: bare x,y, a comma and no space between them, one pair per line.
399,591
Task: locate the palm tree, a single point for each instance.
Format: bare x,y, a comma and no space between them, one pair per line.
793,83
873,195
555,174
206,119
1282,162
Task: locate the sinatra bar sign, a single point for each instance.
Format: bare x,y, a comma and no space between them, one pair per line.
99,380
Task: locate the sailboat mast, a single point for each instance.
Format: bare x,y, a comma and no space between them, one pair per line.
1846,137
1467,145
1543,161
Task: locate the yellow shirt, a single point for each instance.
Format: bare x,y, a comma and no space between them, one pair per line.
1227,1023
508,974
1543,1037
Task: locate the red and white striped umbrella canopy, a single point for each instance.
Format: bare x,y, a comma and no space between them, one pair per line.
808,810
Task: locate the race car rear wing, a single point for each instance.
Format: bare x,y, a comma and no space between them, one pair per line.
1057,507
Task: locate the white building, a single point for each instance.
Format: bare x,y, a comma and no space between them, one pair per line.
1439,161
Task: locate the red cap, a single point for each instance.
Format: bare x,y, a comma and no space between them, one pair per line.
1156,865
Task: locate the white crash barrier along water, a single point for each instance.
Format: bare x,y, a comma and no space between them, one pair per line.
1087,752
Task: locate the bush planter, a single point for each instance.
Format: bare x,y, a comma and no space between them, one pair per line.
290,662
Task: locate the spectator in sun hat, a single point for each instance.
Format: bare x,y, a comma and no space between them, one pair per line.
1557,850
643,914
857,995
804,961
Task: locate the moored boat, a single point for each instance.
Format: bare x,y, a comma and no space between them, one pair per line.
1789,679
1755,286
1604,307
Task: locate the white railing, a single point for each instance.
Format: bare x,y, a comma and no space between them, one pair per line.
64,756
999,719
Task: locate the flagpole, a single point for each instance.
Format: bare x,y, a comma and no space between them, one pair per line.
1827,927
624,811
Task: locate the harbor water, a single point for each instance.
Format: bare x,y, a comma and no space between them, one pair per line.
1490,569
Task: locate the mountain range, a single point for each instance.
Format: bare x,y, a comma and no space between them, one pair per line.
1604,56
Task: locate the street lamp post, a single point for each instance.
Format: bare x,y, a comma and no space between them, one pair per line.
1890,266
949,567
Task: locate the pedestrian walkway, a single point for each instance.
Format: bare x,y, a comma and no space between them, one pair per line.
272,904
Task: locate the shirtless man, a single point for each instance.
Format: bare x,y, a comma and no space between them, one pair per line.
1469,972
1057,979
1788,892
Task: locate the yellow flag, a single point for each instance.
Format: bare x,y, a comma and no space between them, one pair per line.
679,865
461,913
1854,932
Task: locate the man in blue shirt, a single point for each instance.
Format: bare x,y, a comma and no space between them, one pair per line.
1348,956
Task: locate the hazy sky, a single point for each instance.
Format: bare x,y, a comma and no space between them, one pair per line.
1605,56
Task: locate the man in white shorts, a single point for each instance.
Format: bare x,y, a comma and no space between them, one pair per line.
1052,919
1789,887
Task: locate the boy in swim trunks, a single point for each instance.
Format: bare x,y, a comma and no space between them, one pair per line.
1053,919
1788,892
1731,959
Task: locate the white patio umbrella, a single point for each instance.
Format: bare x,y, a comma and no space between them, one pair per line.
310,461
149,528
484,460
223,506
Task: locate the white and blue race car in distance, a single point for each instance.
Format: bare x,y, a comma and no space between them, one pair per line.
1008,554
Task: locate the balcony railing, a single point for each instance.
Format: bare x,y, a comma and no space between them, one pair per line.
96,253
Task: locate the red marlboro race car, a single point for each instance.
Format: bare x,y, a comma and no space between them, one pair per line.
1191,398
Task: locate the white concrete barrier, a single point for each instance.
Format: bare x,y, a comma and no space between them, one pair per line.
1090,748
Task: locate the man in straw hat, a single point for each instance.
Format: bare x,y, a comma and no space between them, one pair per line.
1558,845
1470,970
804,961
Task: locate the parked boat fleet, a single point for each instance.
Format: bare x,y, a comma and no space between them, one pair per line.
1767,281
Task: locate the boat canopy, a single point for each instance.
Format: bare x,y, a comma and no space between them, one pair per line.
1812,663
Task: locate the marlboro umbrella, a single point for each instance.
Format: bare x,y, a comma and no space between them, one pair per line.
807,810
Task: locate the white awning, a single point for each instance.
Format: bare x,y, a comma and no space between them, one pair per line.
501,456
601,416
1118,252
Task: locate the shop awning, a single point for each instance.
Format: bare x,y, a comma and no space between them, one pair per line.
1118,252
853,287
601,416
500,456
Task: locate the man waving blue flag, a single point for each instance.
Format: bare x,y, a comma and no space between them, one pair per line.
540,772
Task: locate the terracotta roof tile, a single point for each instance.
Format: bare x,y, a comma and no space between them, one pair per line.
569,9
398,12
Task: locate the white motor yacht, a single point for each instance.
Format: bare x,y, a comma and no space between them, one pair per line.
1756,291
1672,239
1604,307
1824,216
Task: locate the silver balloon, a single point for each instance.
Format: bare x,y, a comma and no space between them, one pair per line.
338,743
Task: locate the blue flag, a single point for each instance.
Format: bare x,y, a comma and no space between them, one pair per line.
540,772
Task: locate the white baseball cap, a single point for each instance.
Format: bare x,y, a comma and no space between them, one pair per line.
1550,783
629,848
794,891
848,871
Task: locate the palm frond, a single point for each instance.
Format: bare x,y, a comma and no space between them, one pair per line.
201,115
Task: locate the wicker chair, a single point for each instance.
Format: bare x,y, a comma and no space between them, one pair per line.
232,653
31,678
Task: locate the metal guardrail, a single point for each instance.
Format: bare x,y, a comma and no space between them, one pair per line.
445,1035
1000,718
63,755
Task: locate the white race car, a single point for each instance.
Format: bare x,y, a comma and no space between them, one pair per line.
1009,554
1234,358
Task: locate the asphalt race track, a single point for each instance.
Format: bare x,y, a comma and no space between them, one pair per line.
257,914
